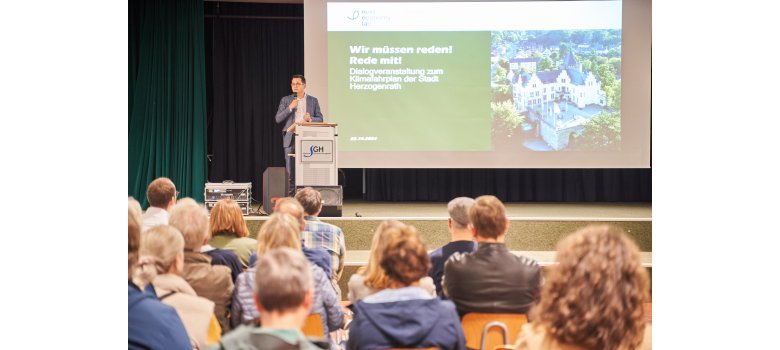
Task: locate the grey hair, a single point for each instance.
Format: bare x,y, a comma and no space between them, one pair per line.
458,209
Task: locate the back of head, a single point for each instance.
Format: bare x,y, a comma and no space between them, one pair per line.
279,231
458,210
404,257
135,207
192,220
375,274
310,199
226,216
488,216
282,279
133,236
159,247
594,296
290,206
160,192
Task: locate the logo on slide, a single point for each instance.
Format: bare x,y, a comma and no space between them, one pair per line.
355,15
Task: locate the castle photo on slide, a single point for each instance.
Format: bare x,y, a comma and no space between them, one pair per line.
557,90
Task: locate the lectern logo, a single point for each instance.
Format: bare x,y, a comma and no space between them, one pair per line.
314,149
355,15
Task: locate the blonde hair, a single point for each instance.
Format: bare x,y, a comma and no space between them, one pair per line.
594,296
280,230
159,247
133,234
192,220
134,208
226,216
290,206
376,277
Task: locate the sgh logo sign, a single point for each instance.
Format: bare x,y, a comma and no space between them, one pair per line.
317,151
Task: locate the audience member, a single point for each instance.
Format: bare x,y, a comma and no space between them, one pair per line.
318,234
593,298
162,247
188,215
317,256
135,209
228,230
281,230
161,195
284,293
404,315
372,278
491,279
150,323
461,240
212,282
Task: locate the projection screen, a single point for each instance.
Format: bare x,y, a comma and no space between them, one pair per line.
529,84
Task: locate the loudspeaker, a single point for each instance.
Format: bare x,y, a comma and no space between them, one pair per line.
274,186
332,198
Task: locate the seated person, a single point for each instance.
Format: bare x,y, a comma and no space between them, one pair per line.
228,230
281,230
594,296
150,323
188,215
404,315
492,279
371,278
461,240
283,293
162,249
210,281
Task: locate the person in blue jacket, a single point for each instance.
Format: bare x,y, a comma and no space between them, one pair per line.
150,323
405,315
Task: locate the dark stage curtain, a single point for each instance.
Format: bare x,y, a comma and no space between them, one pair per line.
252,51
167,96
510,185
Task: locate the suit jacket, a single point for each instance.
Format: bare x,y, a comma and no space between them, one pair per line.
491,280
286,117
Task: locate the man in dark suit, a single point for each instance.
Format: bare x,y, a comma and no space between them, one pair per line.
296,108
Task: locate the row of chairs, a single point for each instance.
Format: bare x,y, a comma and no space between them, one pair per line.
482,331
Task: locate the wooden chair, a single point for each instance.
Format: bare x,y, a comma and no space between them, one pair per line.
488,331
313,326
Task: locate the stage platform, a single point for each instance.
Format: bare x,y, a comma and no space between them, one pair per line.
534,228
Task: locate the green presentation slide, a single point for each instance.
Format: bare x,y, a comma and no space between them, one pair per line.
435,86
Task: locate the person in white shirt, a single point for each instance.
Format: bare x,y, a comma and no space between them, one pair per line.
161,194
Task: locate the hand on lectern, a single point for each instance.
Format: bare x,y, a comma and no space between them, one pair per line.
307,117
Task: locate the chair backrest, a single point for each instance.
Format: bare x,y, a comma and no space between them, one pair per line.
487,331
313,326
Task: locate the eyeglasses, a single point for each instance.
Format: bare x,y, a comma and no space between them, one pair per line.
297,84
